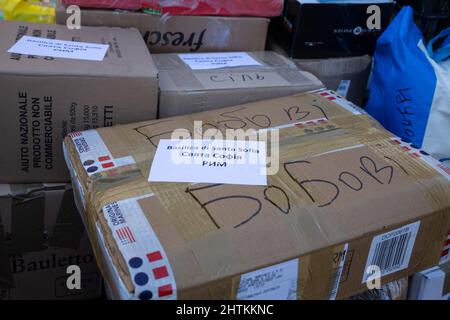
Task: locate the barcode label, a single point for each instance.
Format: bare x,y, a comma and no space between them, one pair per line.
391,251
341,256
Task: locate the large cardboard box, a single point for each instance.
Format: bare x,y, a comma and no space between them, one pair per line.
431,284
185,90
44,98
164,34
42,235
347,195
314,29
348,76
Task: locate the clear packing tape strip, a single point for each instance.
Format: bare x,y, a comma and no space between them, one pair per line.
327,132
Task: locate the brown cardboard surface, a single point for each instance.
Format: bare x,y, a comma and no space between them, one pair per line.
184,90
43,235
44,99
181,33
341,182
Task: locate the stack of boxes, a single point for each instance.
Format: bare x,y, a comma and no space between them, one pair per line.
165,68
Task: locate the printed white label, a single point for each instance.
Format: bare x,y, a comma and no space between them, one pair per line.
278,282
342,90
146,259
59,48
340,269
391,251
94,154
205,61
210,161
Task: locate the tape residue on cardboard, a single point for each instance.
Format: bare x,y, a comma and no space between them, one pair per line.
144,255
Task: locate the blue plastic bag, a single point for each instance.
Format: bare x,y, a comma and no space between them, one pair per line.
410,89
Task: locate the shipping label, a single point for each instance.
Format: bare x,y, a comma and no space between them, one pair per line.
205,61
278,282
210,161
37,46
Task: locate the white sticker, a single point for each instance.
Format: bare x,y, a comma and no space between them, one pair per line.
210,161
59,48
391,251
278,282
94,154
205,61
146,259
342,90
342,256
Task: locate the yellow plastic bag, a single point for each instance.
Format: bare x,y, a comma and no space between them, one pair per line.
31,11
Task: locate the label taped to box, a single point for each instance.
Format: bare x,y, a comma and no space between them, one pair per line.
206,61
59,48
210,161
146,259
391,251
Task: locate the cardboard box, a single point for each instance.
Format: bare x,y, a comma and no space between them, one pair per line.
348,76
310,29
43,234
431,284
45,98
347,195
181,33
185,90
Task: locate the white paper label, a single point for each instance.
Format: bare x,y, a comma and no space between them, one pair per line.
59,48
205,61
278,282
210,161
391,251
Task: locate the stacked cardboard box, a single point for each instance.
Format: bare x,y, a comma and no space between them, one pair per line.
164,34
44,97
186,88
348,195
47,97
41,234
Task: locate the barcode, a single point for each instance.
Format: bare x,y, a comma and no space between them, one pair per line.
391,251
390,254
